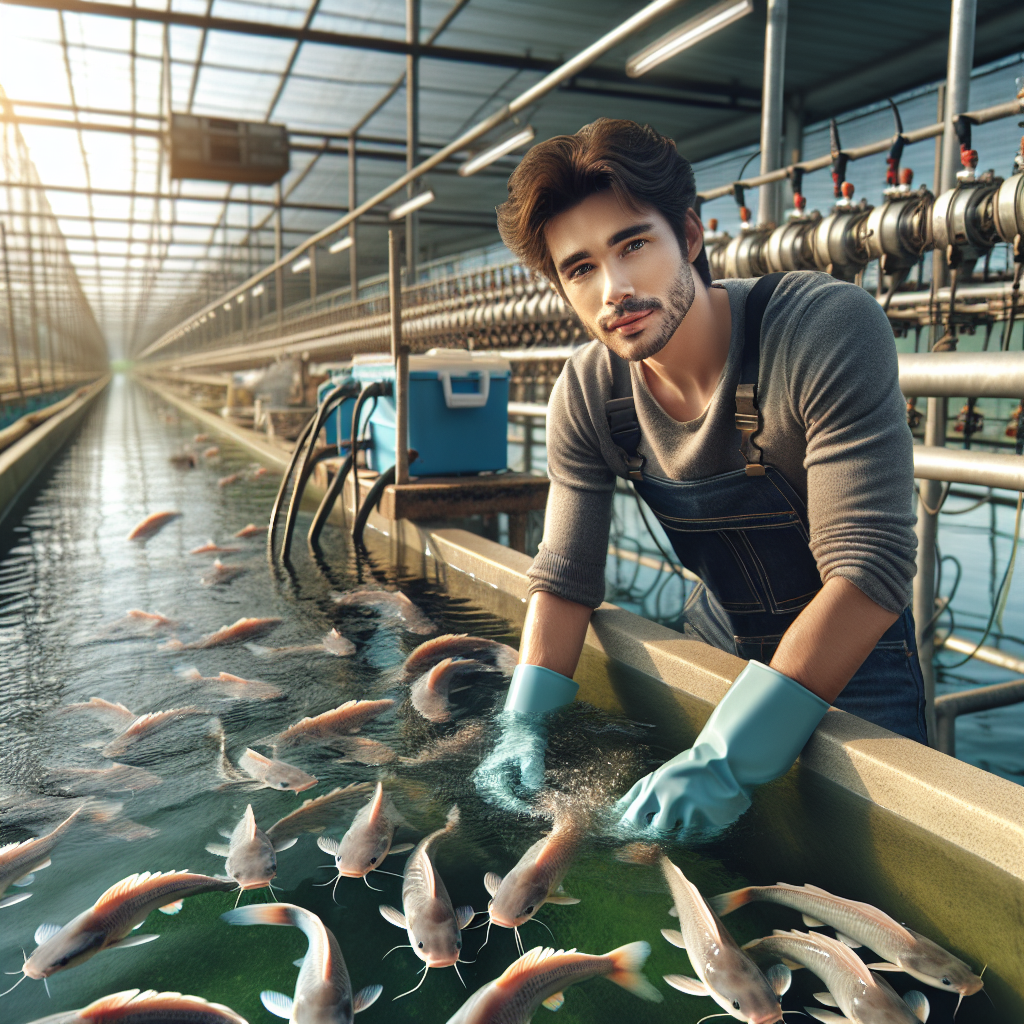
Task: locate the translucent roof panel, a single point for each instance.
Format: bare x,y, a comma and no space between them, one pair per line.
90,95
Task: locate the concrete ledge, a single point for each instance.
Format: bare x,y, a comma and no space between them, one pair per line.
23,460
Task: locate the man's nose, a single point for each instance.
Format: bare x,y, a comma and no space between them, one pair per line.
617,286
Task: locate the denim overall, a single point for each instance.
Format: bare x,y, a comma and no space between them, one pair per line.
745,534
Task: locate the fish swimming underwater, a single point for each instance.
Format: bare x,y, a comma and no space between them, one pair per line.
539,978
242,629
152,1007
860,924
863,998
273,774
145,726
234,686
151,525
211,452
118,778
389,604
430,693
434,926
220,574
19,861
537,877
724,971
363,750
109,922
251,854
346,718
332,643
227,481
211,548
459,645
316,814
368,839
252,530
323,991
183,460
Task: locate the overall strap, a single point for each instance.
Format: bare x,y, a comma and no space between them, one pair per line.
748,414
625,428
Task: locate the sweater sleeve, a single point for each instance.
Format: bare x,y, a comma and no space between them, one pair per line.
571,560
843,385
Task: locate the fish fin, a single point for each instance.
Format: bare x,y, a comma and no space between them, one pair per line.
684,983
277,1003
172,908
629,961
218,849
918,1003
808,887
727,902
25,880
401,848
826,998
812,922
285,844
46,863
780,977
250,823
826,1016
366,997
9,901
136,927
673,911
265,913
492,881
884,966
132,940
329,845
847,941
377,801
562,900
554,1002
225,832
676,938
299,962
45,932
463,915
392,916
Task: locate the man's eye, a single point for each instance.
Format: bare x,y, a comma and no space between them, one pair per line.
635,244
582,269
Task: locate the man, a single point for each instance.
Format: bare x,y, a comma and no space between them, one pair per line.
766,431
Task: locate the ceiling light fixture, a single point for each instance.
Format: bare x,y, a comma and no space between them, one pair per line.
300,265
257,291
342,244
495,152
690,32
411,205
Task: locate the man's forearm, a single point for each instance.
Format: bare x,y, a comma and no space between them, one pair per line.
831,637
554,632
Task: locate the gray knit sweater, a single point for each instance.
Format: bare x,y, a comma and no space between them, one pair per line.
834,425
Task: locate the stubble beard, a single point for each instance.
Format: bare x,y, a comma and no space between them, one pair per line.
651,340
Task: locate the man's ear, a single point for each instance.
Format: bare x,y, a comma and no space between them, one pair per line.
694,231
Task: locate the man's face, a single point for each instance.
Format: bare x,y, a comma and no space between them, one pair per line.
623,272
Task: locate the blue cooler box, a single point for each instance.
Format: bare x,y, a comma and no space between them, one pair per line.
458,411
340,419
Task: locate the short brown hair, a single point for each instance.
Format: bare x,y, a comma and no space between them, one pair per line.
636,163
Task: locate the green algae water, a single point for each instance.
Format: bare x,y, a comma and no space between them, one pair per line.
67,574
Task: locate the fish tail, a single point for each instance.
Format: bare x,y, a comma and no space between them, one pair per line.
452,821
264,913
628,963
727,902
646,854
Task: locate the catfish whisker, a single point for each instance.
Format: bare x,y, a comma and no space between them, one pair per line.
381,871
459,976
368,886
404,945
17,983
543,925
710,1015
426,970
487,935
46,985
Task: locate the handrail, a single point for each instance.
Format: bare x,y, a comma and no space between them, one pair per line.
571,67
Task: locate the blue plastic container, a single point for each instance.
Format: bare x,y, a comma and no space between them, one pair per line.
340,421
458,412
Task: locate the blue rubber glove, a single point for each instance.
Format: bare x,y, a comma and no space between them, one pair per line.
514,769
752,737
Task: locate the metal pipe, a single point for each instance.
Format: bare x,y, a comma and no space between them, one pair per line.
963,14
1012,108
551,81
353,257
412,134
278,262
11,336
983,698
958,374
771,107
989,655
400,356
955,465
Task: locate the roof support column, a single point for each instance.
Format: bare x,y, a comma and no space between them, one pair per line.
957,95
771,107
412,134
279,273
353,258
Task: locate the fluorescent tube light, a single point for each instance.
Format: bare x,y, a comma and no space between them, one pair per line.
342,244
257,291
690,32
300,265
227,306
240,299
499,149
410,205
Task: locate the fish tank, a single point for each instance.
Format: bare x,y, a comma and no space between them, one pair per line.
71,577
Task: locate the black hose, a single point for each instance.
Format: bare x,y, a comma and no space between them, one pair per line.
377,389
336,487
373,497
276,510
327,406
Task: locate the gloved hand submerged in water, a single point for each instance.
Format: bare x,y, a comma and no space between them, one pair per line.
514,769
752,737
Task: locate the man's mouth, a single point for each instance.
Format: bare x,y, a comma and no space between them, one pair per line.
631,323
